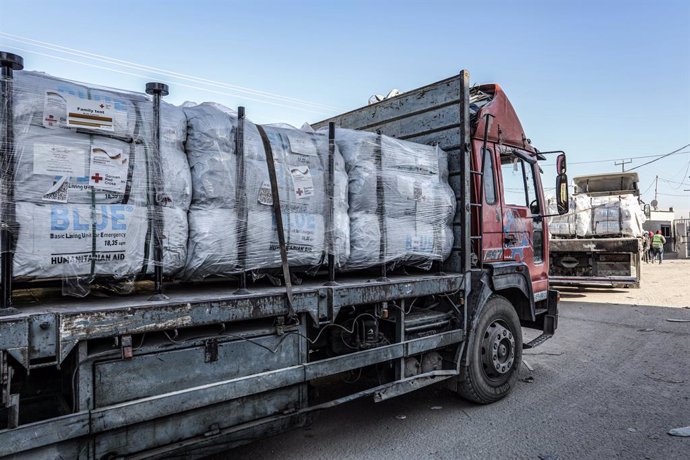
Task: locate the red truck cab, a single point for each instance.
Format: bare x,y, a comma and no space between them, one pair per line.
512,227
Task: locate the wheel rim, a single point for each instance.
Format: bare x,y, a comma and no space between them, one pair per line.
498,350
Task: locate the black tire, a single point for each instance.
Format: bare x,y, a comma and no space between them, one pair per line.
493,357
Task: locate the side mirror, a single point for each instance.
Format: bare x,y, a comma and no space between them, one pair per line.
562,201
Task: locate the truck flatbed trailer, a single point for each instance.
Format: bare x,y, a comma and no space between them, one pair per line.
55,327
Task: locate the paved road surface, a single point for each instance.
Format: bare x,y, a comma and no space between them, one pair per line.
612,382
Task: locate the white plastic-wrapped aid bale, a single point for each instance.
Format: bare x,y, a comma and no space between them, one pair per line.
419,242
563,225
213,223
57,104
176,180
212,243
55,157
300,160
301,164
616,215
85,155
58,241
210,149
417,203
583,215
304,239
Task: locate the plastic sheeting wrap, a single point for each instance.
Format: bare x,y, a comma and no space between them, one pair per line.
85,160
564,225
301,167
176,182
53,166
616,215
415,205
598,216
583,215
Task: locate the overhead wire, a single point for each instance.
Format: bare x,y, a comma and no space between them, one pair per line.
659,158
649,188
674,194
158,71
640,157
670,181
304,109
685,178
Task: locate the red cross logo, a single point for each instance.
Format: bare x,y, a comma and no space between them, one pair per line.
96,178
299,192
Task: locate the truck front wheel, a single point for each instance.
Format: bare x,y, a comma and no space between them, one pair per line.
493,354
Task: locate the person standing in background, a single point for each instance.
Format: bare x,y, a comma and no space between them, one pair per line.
658,245
645,247
650,249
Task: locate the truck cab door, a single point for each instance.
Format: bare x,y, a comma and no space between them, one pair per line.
491,229
523,228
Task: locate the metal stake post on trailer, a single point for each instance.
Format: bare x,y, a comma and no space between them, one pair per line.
241,202
465,192
157,90
9,63
331,206
380,207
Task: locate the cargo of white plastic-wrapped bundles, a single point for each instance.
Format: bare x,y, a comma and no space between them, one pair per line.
615,215
301,167
562,225
400,188
598,216
85,160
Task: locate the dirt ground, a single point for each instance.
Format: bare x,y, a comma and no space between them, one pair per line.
666,284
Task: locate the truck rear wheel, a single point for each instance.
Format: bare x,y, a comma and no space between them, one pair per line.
493,354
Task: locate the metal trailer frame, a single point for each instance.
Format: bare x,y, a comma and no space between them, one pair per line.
248,377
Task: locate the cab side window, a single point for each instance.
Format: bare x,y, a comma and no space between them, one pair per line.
489,181
514,183
531,187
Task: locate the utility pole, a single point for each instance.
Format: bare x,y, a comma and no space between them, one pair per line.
656,189
622,163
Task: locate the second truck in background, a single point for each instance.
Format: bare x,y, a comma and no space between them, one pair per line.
599,243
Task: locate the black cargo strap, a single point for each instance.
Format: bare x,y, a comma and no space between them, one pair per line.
278,217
